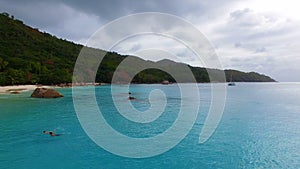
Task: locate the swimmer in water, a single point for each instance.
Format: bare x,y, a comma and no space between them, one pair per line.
51,133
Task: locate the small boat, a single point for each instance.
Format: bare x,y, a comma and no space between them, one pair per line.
231,83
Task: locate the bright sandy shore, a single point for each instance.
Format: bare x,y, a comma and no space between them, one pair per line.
19,88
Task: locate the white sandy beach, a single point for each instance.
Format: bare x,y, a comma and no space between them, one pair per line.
19,88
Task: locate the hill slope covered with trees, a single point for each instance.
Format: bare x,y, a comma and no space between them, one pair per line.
28,56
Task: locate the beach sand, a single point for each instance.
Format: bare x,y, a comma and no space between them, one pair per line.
19,88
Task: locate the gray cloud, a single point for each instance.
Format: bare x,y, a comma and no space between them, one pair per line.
261,50
238,44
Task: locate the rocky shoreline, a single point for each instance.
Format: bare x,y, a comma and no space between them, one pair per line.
17,89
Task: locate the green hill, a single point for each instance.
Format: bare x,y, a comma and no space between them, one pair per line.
28,56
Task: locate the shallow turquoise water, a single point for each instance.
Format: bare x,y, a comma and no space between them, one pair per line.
260,128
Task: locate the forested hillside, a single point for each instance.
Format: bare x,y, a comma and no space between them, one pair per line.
28,56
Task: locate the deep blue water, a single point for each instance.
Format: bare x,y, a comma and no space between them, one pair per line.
260,128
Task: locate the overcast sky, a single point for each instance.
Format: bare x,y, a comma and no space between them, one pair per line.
249,35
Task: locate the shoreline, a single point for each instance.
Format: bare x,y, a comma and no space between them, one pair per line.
17,89
24,88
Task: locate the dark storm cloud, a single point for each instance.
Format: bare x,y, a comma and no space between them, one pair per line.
112,9
65,18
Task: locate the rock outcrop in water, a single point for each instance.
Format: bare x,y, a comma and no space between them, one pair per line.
45,93
131,98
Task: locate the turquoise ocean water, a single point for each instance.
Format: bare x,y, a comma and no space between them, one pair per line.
260,128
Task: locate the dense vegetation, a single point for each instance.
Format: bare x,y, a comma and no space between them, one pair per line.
28,56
